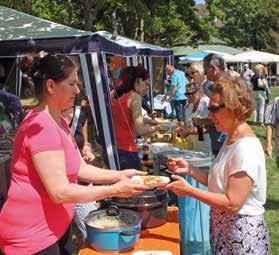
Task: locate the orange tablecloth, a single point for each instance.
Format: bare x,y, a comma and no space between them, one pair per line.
165,237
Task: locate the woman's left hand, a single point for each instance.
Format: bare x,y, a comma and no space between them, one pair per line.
128,173
179,186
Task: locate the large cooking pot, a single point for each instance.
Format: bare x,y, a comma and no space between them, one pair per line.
152,206
113,229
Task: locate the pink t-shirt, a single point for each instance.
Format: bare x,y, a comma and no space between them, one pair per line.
30,221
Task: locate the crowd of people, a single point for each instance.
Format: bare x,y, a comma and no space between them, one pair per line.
53,163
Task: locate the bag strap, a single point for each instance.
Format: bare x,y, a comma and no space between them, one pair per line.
75,119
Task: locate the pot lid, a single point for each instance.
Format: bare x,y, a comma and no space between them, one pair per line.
147,197
112,218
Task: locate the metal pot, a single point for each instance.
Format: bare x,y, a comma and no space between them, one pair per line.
123,236
151,205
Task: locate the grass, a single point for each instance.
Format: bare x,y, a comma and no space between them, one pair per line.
272,202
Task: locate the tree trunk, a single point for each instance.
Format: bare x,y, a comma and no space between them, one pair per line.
88,17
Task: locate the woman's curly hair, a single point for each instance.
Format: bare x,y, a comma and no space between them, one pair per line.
236,95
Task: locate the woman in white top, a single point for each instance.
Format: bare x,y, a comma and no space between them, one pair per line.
197,108
237,179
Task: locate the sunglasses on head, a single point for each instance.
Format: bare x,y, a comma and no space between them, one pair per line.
215,108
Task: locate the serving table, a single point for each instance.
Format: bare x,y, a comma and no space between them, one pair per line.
163,238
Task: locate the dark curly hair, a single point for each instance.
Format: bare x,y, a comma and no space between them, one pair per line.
128,76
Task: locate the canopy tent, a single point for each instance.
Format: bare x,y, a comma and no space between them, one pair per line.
255,57
200,55
182,50
20,33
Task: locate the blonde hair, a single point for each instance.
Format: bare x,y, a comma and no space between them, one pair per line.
259,68
237,97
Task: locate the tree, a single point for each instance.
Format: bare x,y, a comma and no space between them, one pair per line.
247,23
163,22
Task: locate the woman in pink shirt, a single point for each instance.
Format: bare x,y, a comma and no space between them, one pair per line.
45,166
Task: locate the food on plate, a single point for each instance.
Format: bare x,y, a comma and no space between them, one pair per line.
151,180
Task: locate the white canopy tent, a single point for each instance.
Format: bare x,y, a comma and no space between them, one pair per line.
254,57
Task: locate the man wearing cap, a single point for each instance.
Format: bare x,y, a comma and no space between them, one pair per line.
178,84
197,108
247,74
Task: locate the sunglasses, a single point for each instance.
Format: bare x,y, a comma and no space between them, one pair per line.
215,108
189,94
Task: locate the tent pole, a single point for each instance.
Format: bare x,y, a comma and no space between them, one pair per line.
151,82
87,84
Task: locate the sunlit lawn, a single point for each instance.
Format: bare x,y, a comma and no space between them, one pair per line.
272,203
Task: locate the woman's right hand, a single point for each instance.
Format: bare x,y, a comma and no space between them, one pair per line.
179,166
128,188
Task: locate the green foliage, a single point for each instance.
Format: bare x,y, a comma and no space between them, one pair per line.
163,22
248,23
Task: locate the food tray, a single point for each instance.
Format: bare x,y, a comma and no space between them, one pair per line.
195,158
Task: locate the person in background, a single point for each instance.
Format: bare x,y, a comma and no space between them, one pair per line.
177,93
197,108
259,85
237,179
46,164
77,119
232,73
272,122
127,115
247,74
12,107
196,73
214,69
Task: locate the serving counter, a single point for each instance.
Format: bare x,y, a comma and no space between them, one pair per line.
163,238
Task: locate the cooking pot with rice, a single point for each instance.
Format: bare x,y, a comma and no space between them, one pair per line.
113,229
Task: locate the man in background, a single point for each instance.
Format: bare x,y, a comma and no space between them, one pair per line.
214,69
273,125
247,74
177,91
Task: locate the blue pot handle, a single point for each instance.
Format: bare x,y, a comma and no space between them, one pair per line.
130,233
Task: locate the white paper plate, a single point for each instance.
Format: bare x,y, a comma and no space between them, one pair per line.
164,180
152,253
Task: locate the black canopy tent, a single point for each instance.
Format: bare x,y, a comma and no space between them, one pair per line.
21,33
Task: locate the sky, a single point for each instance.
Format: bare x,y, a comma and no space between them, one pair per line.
199,1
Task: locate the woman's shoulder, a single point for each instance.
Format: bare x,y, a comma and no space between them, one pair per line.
247,145
35,115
